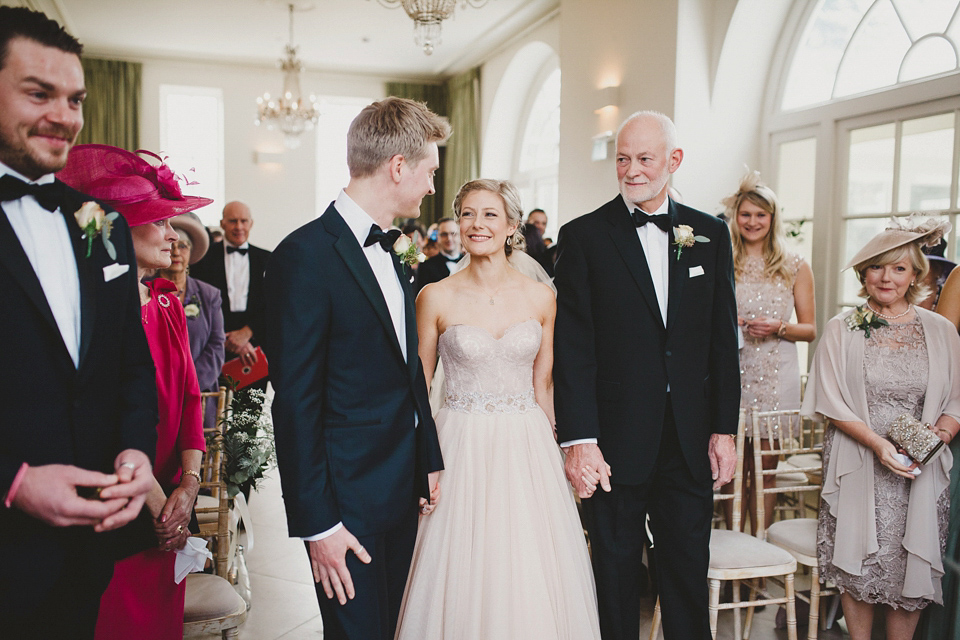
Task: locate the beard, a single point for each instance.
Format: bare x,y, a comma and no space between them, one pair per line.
17,153
635,196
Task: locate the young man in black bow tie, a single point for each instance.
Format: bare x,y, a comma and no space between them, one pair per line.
441,265
76,377
355,436
647,381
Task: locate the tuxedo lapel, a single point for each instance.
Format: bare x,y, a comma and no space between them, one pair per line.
86,275
15,259
679,269
352,255
410,315
624,235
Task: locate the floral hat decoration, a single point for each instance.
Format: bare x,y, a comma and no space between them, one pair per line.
141,192
902,231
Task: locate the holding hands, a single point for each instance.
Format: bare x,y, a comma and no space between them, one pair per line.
426,508
585,468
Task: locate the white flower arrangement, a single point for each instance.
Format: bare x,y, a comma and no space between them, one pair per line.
407,251
95,222
684,238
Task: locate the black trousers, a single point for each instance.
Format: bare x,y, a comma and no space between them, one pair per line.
680,505
373,613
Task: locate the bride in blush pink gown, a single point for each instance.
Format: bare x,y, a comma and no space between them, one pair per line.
501,552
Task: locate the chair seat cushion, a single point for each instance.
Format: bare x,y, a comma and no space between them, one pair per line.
805,460
207,502
798,534
736,550
788,478
210,597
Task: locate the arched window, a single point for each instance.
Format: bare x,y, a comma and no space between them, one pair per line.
864,126
850,47
538,160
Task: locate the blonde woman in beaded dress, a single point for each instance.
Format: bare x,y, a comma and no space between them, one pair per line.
882,530
502,554
772,283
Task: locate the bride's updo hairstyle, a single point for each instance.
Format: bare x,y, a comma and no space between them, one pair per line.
511,204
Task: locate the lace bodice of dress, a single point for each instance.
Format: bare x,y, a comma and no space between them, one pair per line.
485,374
895,370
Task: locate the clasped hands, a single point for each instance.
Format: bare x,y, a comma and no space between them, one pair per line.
238,342
759,327
49,493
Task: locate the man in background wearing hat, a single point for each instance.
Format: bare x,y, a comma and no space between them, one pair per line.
236,268
76,378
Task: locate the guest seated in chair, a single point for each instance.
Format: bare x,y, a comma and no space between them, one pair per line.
882,529
201,305
142,600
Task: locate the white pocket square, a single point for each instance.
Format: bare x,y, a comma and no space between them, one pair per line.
696,271
114,270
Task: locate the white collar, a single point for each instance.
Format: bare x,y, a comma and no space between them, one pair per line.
663,208
356,218
44,179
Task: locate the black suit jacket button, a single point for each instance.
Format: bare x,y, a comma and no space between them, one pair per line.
669,354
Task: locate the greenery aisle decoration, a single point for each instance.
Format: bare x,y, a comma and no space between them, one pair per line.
247,441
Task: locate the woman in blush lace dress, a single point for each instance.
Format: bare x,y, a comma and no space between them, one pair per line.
502,554
882,530
771,284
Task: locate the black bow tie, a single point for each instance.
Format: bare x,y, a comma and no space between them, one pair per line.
449,259
47,195
385,238
663,220
242,252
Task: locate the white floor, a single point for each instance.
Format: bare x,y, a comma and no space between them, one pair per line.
284,600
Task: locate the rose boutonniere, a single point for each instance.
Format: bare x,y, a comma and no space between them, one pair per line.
407,251
684,237
94,222
192,308
864,319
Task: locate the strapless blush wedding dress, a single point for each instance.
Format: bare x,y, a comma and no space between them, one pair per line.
503,555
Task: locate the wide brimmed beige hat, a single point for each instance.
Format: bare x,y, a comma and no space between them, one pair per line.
901,231
190,224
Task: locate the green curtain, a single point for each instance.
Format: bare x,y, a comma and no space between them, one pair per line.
435,97
463,149
111,112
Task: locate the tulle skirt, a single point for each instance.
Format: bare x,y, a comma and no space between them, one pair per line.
503,555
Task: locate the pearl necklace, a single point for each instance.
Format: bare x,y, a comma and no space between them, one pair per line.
885,317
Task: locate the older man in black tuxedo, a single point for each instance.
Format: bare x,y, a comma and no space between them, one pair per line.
647,381
236,267
76,377
441,265
355,436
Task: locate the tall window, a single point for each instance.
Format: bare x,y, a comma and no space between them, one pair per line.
864,125
336,114
191,135
538,163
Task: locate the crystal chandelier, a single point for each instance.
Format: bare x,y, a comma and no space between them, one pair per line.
427,16
289,112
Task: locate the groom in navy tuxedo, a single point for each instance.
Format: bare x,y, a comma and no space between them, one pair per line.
76,377
647,380
356,443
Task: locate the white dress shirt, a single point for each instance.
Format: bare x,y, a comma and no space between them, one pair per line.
237,266
381,262
46,241
656,248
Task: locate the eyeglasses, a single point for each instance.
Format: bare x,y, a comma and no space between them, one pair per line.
449,234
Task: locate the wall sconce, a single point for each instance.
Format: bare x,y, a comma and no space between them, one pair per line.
266,158
602,146
607,97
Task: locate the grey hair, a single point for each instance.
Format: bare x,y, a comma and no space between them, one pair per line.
511,205
667,127
390,127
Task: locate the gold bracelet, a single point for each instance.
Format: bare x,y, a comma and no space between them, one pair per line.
949,435
191,472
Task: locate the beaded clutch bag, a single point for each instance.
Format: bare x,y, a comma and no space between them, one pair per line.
911,435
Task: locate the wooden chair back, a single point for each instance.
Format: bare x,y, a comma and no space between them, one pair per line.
213,512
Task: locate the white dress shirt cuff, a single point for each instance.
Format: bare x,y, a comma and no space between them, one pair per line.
564,445
326,534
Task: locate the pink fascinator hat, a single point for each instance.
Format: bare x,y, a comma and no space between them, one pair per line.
901,231
141,192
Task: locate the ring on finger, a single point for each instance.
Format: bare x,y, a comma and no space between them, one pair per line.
128,465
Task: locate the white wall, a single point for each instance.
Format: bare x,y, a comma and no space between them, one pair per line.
281,197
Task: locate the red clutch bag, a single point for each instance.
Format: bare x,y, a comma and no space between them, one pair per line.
246,375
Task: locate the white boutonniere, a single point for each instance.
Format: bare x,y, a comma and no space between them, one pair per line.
407,251
683,237
864,319
192,308
92,219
